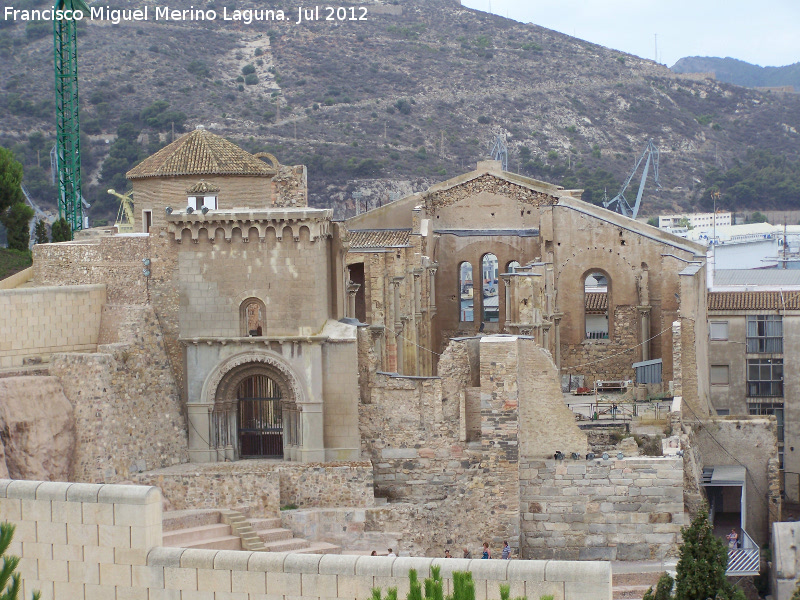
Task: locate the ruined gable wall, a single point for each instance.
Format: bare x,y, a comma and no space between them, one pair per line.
582,243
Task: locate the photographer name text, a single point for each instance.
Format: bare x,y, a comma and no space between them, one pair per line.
165,13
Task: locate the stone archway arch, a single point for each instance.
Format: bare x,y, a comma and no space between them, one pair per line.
267,361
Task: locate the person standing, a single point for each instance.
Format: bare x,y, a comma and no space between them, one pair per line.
391,553
447,554
506,551
486,552
467,553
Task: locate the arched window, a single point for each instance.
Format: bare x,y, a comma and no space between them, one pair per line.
595,305
513,266
465,293
251,318
491,297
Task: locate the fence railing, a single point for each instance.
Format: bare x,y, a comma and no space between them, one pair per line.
745,560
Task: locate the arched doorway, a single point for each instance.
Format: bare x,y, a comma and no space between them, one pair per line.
254,411
260,418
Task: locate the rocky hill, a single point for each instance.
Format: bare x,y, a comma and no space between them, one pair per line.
739,72
378,108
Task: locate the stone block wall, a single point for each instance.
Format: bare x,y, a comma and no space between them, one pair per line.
41,321
629,509
84,542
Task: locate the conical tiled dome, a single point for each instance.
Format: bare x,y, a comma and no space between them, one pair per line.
200,153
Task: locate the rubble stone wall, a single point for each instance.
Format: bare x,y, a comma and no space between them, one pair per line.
125,399
261,487
629,509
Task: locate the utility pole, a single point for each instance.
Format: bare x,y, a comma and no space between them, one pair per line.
656,36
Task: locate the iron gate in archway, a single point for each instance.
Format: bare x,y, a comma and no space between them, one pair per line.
260,418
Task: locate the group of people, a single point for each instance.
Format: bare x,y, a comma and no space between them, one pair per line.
487,553
505,554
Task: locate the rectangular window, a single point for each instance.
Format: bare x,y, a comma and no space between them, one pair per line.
765,377
769,408
764,334
723,412
210,202
192,201
719,330
720,374
147,220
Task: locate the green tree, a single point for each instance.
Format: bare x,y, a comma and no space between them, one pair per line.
41,232
701,567
16,219
10,583
758,217
653,221
10,180
60,231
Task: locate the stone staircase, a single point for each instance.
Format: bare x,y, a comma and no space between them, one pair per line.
230,530
198,529
630,580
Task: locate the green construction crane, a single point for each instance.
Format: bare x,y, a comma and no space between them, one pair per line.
68,142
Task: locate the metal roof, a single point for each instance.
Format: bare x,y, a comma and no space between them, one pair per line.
728,476
757,277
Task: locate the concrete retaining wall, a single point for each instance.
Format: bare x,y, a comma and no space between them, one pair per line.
86,541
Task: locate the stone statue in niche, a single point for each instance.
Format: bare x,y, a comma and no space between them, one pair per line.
644,292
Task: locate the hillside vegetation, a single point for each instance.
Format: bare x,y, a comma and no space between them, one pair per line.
739,72
390,105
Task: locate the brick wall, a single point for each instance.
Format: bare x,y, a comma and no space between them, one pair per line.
40,321
629,509
83,541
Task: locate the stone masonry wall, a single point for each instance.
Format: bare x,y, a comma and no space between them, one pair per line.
261,487
85,542
39,321
629,509
126,402
606,359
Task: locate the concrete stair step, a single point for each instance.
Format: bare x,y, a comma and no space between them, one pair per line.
227,542
266,523
183,519
319,548
286,545
274,535
180,537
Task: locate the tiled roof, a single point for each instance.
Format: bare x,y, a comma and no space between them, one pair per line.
200,153
722,301
379,238
202,187
596,302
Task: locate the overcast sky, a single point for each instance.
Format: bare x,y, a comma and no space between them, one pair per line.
763,32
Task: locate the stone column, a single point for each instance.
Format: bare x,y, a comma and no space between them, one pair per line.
398,324
432,299
644,323
352,290
200,450
557,340
311,432
417,318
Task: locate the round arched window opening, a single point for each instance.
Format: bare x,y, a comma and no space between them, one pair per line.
251,318
595,305
466,295
491,293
